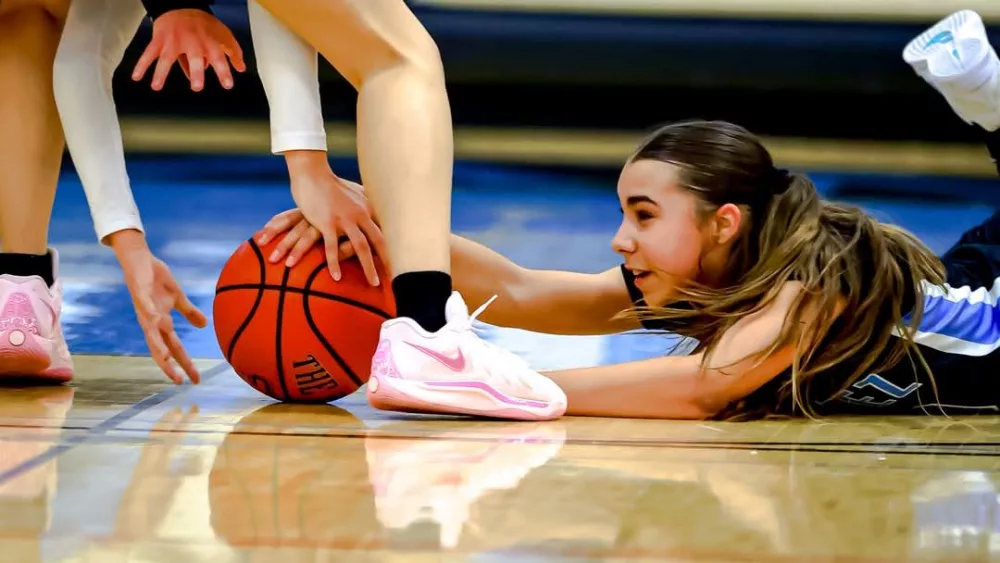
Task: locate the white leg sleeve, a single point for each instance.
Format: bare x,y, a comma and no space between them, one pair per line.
289,70
95,37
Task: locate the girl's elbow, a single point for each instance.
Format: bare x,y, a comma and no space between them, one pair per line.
702,410
708,403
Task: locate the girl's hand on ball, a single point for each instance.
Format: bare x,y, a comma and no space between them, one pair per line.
299,237
336,209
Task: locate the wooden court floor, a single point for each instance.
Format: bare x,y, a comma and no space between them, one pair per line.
121,466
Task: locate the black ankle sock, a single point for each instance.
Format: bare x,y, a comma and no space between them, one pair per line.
27,265
421,296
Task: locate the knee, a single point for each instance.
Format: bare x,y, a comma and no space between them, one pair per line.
420,55
406,46
425,53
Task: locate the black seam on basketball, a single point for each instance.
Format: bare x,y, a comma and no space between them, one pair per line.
306,293
256,302
319,335
277,331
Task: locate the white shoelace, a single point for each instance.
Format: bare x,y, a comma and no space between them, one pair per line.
502,355
482,308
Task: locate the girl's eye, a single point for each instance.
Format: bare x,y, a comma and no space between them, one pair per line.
643,215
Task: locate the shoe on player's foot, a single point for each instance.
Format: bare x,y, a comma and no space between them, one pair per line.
455,371
956,58
32,344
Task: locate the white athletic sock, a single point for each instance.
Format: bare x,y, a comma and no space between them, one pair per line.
955,57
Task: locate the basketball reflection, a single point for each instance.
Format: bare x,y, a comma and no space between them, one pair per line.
278,483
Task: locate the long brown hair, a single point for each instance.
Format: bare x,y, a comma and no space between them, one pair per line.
841,256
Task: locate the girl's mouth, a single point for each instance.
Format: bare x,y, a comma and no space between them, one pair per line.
640,276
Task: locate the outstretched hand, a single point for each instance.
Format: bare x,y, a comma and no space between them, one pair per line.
193,38
155,294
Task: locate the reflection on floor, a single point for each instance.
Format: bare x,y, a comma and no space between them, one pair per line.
217,473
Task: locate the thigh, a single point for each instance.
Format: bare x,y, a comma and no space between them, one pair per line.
358,37
55,8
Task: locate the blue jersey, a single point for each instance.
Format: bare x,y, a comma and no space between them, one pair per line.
958,337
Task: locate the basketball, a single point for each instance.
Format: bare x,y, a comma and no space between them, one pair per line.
295,334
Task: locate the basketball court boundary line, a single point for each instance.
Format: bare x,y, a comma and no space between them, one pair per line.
933,448
922,449
105,426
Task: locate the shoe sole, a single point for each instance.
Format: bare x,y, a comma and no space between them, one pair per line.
454,397
22,356
917,50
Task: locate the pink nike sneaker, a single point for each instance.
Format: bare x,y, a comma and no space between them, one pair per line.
32,344
454,371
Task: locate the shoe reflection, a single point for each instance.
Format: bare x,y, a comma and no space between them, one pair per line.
438,476
31,481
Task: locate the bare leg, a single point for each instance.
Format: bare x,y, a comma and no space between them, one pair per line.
31,340
32,144
405,147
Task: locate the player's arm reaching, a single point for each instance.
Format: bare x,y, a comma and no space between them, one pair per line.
93,42
547,301
288,68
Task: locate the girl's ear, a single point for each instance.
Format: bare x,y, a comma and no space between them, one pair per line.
727,222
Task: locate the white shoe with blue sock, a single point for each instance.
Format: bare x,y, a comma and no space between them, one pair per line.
955,57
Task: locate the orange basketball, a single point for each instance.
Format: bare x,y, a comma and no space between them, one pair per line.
294,334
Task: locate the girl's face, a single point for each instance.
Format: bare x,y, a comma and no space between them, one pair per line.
667,237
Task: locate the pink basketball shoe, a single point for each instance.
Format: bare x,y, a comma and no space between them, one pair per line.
32,344
455,371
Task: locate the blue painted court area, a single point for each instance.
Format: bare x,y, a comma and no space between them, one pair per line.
197,210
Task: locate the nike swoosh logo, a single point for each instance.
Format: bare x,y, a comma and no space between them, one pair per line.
456,363
940,39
